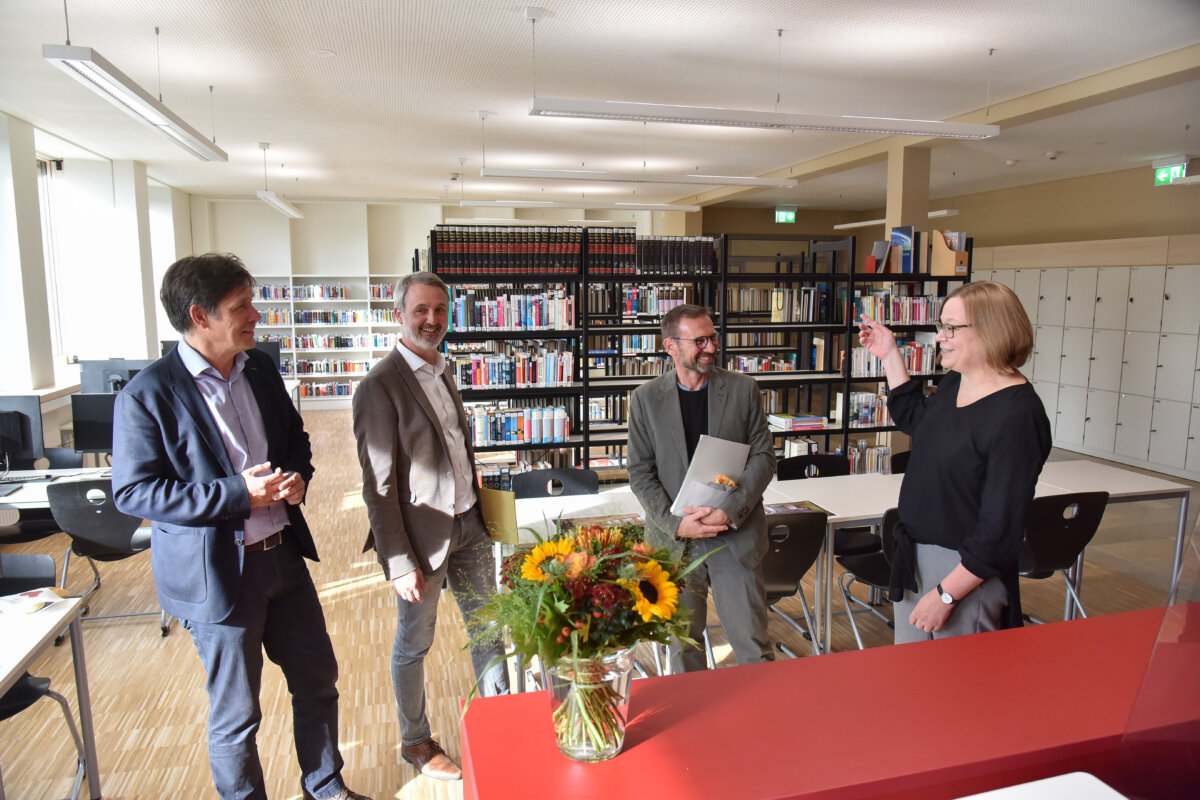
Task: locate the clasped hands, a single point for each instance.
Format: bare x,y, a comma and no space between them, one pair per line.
267,486
703,522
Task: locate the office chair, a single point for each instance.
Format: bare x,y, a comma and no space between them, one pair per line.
99,532
900,462
23,572
1057,529
873,570
555,483
795,540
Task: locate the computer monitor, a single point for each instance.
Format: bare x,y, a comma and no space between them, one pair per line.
20,431
92,420
270,348
109,375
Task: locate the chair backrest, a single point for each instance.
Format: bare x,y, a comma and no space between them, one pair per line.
86,511
794,540
23,572
890,518
815,465
900,462
1057,529
555,483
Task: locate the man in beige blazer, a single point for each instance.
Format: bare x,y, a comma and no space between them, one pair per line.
667,416
419,487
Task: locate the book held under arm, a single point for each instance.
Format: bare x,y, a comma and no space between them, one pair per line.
716,467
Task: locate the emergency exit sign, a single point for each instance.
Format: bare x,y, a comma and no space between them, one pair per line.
787,215
1164,175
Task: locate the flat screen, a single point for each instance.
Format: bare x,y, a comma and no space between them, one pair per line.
20,431
92,418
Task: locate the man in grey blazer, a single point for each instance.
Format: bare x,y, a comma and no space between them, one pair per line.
667,416
426,526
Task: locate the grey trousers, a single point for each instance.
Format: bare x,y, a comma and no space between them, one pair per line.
741,600
468,569
981,610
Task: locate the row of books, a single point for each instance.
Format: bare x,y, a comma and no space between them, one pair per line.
799,446
483,308
330,366
319,291
491,425
333,389
608,410
523,370
502,249
882,306
636,300
796,422
868,410
751,363
637,366
611,250
329,341
920,358
866,460
629,343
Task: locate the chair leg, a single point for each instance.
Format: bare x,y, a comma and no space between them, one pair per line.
81,765
657,650
62,584
712,661
1073,595
844,584
816,646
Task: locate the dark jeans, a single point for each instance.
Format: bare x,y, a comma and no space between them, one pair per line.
277,611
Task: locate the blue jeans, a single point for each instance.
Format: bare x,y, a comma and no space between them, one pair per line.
469,570
277,611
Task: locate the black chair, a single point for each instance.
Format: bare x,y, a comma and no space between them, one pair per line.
873,570
555,483
1057,529
23,572
846,541
795,540
99,532
900,462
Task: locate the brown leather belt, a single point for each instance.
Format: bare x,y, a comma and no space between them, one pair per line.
269,543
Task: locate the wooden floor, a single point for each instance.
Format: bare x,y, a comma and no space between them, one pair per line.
147,692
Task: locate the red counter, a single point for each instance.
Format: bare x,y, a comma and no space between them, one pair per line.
933,719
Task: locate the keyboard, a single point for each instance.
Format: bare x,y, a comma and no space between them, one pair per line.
7,479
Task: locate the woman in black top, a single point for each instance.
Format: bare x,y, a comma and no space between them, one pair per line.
978,445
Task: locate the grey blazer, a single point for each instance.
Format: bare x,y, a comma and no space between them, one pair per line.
408,481
658,458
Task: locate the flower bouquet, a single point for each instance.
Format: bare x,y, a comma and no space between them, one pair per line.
580,602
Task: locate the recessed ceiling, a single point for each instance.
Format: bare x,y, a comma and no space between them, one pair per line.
380,99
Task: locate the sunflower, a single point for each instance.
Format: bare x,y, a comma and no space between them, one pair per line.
556,549
654,594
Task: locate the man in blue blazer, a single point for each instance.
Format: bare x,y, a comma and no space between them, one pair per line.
208,446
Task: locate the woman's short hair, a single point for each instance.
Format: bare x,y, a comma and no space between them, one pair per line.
997,317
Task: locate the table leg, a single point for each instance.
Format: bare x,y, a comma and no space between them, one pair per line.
825,614
85,710
1180,537
1075,576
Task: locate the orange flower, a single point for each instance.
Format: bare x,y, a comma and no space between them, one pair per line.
578,563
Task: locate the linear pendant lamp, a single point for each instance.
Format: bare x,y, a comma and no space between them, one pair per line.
87,66
635,177
867,223
735,118
279,204
580,205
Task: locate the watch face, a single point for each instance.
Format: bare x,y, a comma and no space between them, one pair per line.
947,599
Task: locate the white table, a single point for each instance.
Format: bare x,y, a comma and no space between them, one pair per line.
1123,486
33,494
25,636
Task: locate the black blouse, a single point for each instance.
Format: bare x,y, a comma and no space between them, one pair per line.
971,475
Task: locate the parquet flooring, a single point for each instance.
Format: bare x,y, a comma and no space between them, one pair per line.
147,692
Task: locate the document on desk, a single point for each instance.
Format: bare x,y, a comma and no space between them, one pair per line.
714,458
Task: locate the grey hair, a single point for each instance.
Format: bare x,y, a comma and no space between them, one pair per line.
423,278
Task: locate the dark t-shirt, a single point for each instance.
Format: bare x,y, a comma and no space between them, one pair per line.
971,475
693,406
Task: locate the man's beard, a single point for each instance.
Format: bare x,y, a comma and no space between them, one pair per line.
695,365
421,339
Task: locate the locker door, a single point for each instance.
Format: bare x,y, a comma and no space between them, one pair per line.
1139,364
1169,432
1081,297
1133,426
1146,286
1100,424
1076,356
1181,300
1052,297
1175,374
1025,284
1072,403
1105,372
1047,353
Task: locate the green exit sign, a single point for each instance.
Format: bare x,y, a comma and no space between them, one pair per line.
1162,175
786,215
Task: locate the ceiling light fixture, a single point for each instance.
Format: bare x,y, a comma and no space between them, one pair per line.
270,198
736,118
635,177
580,205
87,66
866,223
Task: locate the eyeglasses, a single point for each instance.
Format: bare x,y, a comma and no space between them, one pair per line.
700,341
949,330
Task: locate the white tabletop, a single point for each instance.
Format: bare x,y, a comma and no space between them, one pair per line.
1092,476
25,635
540,514
33,494
847,498
1073,786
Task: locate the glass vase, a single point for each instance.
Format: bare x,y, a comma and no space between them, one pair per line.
589,700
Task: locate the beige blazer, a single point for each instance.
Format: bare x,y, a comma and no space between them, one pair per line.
408,481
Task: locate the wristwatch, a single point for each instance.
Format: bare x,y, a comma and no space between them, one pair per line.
945,596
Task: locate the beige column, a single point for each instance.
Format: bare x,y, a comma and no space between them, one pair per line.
24,308
132,205
907,188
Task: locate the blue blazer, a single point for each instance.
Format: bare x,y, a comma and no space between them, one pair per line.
170,466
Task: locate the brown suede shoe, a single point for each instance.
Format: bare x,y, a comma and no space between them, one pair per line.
429,757
344,794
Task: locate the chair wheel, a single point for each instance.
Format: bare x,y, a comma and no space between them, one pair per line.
58,640
165,631
807,636
892,625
